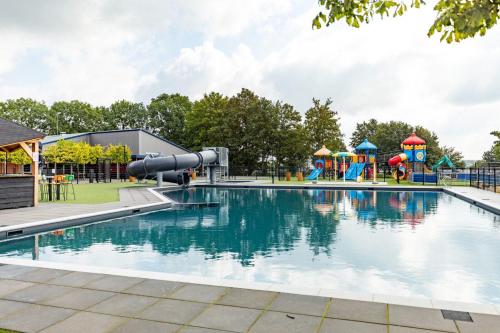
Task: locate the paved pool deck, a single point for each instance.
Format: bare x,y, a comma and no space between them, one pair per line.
49,300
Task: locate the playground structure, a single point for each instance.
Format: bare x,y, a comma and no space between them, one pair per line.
176,168
349,166
414,154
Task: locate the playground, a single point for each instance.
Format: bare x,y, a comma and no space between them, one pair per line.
363,165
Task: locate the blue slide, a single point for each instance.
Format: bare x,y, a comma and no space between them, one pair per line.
355,169
315,174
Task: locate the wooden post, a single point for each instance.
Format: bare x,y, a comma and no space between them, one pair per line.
34,171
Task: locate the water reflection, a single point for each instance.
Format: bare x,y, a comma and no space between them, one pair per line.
247,222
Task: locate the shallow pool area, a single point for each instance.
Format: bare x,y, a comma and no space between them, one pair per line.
411,243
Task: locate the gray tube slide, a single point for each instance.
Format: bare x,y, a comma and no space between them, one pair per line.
172,166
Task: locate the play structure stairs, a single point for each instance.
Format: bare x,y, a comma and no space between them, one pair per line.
355,170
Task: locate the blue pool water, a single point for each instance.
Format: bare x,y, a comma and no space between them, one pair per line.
400,243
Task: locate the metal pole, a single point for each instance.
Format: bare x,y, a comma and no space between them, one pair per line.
495,180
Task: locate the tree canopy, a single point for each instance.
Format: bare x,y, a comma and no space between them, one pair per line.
493,154
456,20
322,126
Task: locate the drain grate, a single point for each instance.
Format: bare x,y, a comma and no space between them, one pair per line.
456,315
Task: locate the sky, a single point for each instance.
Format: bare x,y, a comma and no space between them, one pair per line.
102,51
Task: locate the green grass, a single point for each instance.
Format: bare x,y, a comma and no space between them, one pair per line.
7,331
97,193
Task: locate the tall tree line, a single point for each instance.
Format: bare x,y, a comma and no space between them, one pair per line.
257,130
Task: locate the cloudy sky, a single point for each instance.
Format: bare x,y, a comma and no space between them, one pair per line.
101,51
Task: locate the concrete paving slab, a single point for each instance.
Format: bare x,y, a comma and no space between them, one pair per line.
38,293
124,305
9,307
227,318
431,319
401,329
10,286
358,310
113,283
256,299
79,299
347,326
41,275
301,304
145,326
199,293
11,271
154,288
34,318
481,323
278,322
76,279
173,311
190,329
85,322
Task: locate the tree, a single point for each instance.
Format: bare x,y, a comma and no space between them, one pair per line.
81,154
167,114
28,112
364,130
290,144
205,121
456,19
118,154
389,136
96,152
60,153
322,127
247,130
494,153
125,115
455,156
77,117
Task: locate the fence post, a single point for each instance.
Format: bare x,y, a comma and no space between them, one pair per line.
495,180
470,177
437,176
478,177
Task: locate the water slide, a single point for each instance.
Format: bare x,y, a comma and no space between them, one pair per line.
355,169
173,168
315,174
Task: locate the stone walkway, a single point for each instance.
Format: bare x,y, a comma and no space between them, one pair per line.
47,300
45,211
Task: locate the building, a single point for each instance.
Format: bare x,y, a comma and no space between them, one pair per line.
19,190
140,142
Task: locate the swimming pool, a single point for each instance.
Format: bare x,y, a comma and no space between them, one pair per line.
425,244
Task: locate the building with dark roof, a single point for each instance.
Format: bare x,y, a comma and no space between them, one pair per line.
140,142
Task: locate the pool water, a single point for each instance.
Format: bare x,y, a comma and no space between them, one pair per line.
425,244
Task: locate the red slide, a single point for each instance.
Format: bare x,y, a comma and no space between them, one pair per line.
397,159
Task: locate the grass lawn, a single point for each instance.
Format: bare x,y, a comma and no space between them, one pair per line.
7,331
98,193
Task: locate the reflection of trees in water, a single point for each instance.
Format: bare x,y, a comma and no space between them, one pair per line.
248,222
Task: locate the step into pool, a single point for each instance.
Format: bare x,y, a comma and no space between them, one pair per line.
412,243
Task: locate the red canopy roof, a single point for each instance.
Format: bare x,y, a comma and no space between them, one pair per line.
413,139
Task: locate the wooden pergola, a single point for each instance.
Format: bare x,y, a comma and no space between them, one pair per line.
12,137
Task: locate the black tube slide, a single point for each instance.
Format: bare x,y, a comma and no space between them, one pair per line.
172,167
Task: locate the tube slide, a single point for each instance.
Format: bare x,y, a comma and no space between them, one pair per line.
397,159
172,167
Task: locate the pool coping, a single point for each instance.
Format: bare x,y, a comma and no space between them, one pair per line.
77,220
